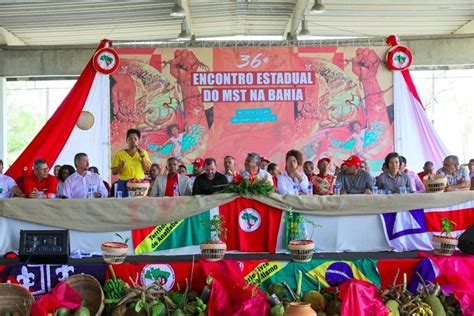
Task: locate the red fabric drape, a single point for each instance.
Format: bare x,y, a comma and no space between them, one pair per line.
51,139
411,86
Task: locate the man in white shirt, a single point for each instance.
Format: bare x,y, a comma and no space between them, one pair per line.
8,186
83,183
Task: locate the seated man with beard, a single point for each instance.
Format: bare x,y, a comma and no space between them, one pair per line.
210,181
354,180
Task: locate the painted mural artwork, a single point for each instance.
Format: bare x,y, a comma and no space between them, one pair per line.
210,102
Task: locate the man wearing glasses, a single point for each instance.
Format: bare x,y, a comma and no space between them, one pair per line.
458,177
40,184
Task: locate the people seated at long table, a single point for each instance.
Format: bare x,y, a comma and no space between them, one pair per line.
292,181
84,183
172,183
458,178
40,184
393,179
351,177
8,186
210,181
355,180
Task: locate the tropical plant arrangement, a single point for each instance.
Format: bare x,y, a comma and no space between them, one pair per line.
248,186
214,249
300,246
445,245
429,300
153,300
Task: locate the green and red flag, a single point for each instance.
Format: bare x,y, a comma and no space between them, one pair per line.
185,232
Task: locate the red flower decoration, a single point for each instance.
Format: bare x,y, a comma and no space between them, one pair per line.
237,179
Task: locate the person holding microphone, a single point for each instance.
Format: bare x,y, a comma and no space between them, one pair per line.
131,162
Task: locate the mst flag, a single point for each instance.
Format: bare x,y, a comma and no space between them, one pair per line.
251,226
185,232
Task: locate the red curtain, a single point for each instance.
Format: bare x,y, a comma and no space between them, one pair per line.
49,142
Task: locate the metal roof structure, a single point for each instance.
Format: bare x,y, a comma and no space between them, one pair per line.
87,22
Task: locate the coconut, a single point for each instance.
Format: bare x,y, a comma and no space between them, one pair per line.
277,289
316,299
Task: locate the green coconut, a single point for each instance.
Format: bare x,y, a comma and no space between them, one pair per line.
333,307
435,304
82,311
393,305
277,289
316,299
277,310
178,312
63,311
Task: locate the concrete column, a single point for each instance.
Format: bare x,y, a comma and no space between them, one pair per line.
3,123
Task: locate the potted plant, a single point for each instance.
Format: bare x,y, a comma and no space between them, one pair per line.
300,247
115,252
445,245
214,249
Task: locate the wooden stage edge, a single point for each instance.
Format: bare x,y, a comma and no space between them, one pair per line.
246,256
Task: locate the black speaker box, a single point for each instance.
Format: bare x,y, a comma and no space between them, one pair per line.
466,241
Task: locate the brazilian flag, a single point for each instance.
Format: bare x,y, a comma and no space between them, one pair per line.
318,273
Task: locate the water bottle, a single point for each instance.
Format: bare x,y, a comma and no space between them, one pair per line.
41,195
337,188
175,189
310,189
375,190
296,188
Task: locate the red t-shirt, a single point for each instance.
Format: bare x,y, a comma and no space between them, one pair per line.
170,182
47,185
275,182
325,184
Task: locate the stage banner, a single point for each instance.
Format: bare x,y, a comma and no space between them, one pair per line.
172,275
211,102
40,279
251,227
185,232
317,273
413,230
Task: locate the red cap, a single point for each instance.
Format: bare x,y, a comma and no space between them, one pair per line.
353,161
324,159
199,162
262,158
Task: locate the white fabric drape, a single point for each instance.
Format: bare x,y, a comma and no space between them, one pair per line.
95,142
415,137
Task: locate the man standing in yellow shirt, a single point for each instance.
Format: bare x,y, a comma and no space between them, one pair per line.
131,162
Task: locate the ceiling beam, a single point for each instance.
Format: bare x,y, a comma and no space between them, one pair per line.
7,38
301,6
189,20
467,28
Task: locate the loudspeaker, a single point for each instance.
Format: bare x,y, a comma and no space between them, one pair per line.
466,241
44,246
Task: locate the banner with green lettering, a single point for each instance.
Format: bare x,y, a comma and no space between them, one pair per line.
185,232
